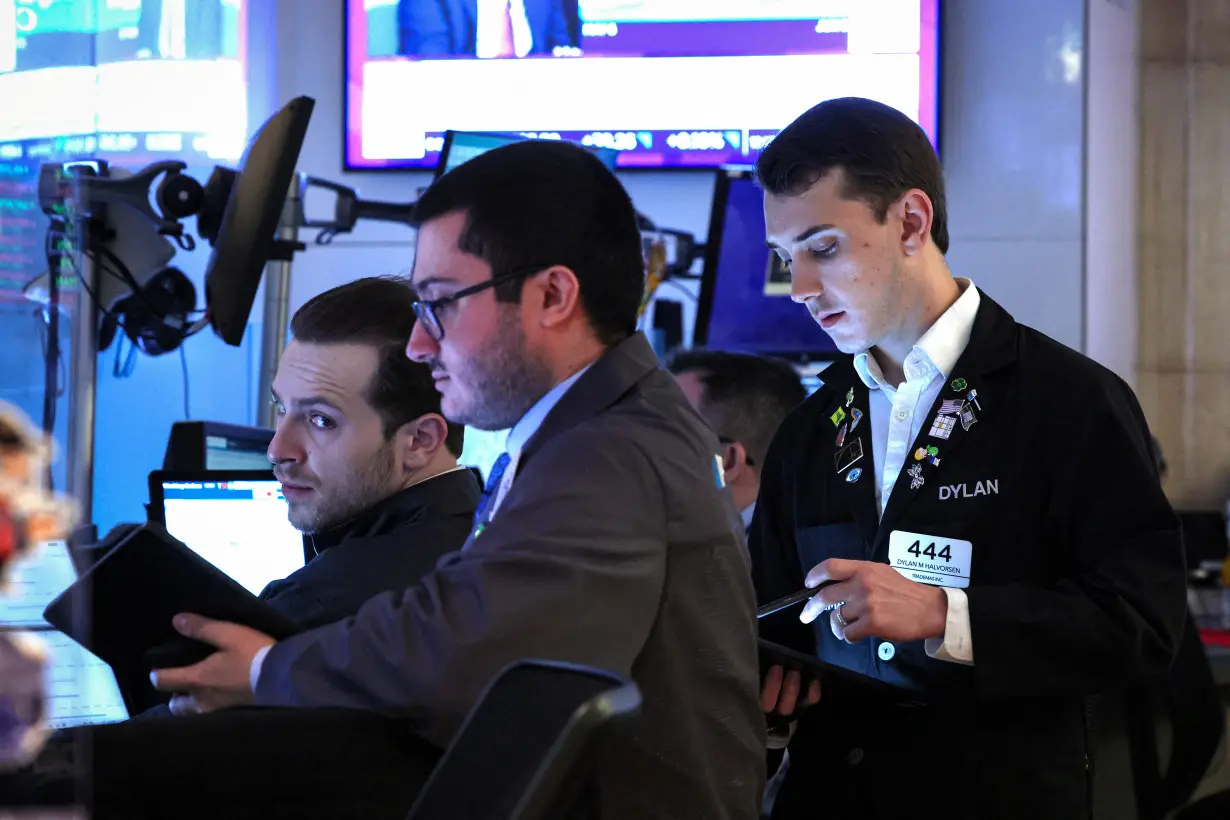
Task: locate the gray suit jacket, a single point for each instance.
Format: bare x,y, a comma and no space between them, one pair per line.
615,548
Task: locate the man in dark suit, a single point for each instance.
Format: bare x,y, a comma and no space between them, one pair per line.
368,464
743,398
486,28
606,539
980,499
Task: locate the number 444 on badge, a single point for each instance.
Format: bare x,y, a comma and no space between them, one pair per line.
930,559
918,551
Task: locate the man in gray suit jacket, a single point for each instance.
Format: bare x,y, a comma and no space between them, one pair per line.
606,537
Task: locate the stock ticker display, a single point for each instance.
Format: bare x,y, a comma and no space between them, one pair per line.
128,81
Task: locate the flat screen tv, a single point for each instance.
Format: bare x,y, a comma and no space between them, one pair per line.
667,83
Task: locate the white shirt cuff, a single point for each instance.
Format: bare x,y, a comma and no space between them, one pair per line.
254,671
957,645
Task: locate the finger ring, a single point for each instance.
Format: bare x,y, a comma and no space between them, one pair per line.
837,613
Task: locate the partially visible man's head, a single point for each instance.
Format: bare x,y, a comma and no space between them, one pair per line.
743,398
356,420
557,231
854,195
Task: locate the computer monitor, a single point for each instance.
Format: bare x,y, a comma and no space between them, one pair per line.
244,238
236,520
195,446
744,303
462,146
81,688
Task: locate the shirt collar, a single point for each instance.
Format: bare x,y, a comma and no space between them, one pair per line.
746,514
528,425
937,350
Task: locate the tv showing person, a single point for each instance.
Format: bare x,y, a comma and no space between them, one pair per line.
488,29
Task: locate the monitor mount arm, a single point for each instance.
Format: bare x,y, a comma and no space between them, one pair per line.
348,209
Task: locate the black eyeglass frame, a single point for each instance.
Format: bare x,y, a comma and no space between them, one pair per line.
425,309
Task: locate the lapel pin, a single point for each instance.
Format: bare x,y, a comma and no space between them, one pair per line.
968,419
973,397
854,474
950,407
838,416
959,384
841,435
849,454
856,416
942,427
850,397
916,477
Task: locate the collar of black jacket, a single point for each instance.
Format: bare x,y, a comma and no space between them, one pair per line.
614,373
451,493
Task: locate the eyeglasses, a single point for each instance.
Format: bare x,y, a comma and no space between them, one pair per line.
427,310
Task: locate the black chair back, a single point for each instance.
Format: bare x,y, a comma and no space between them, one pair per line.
528,749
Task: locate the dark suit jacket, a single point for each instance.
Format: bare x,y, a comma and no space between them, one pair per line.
1077,584
433,28
614,548
390,546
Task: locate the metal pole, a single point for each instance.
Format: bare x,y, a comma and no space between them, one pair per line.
277,303
83,375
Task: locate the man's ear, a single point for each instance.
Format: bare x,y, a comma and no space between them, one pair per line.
559,294
734,461
419,440
917,215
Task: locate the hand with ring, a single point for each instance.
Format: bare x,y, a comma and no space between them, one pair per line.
865,598
837,614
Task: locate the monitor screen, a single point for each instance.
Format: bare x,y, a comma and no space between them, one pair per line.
227,454
147,77
667,83
240,527
745,302
194,446
81,688
129,81
462,146
34,582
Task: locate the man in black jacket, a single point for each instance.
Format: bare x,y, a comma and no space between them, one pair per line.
981,499
367,463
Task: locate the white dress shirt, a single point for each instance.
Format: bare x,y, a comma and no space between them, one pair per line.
746,514
491,20
524,430
897,414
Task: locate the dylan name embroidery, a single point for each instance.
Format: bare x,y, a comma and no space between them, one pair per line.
951,491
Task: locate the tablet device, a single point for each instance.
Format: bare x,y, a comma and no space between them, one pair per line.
812,668
121,607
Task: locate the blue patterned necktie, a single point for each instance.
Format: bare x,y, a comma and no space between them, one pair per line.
493,486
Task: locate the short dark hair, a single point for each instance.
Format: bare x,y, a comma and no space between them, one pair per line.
881,152
550,203
377,311
745,397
